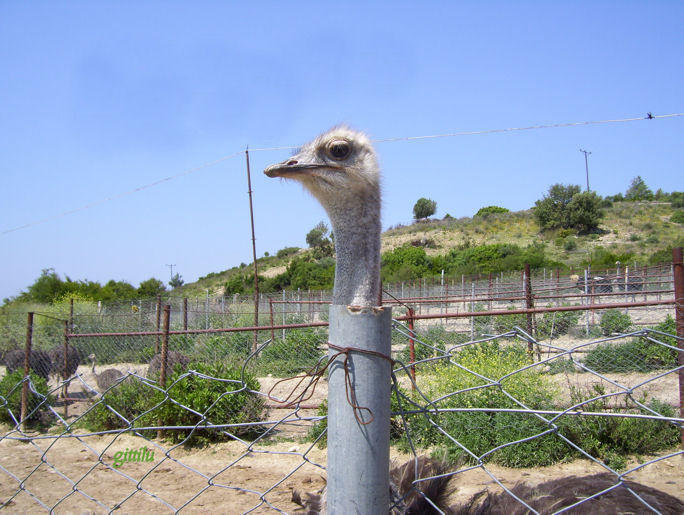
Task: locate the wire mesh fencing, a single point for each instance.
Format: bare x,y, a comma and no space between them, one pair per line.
236,423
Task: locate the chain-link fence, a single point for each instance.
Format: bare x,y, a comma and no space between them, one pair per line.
541,380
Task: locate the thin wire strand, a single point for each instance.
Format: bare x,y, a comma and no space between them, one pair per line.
649,116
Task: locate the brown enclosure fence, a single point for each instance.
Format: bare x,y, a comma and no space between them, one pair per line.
168,404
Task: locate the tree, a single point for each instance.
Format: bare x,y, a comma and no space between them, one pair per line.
48,287
117,290
638,190
424,208
176,281
317,237
565,207
151,288
550,210
584,211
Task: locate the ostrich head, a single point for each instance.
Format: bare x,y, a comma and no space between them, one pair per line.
340,169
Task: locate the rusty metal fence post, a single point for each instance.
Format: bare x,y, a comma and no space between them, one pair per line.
529,303
164,356
159,307
270,307
185,313
27,365
412,348
678,276
165,346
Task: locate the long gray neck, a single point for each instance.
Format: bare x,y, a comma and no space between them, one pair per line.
357,244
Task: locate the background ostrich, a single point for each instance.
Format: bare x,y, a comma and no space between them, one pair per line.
173,358
39,362
107,377
555,495
548,497
57,358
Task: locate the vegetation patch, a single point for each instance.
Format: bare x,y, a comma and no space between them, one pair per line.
220,398
38,405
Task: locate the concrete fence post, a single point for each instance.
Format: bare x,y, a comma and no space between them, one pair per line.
358,440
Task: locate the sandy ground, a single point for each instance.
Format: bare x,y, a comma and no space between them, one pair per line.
225,478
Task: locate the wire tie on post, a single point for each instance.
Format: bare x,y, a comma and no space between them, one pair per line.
316,374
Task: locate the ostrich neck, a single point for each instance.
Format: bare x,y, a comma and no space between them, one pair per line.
357,245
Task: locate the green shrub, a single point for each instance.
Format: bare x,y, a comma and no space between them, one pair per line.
555,324
436,337
299,352
142,405
612,438
570,244
633,355
287,251
491,210
615,321
38,400
561,366
482,431
678,217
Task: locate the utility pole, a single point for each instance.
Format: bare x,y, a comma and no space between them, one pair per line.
586,165
256,271
171,267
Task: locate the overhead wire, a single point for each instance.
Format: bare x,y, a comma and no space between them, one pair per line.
189,171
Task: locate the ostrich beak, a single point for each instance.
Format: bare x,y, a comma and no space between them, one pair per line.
291,167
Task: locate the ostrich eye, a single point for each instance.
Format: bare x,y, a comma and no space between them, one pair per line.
339,149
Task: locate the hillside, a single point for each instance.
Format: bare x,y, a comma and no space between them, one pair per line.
638,229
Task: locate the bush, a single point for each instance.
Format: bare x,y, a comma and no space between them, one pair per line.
615,321
38,400
584,211
482,431
491,210
678,217
287,251
553,325
570,244
142,405
436,337
634,355
611,438
299,352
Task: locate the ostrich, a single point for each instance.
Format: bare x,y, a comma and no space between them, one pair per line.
106,378
73,361
548,497
173,358
555,495
340,169
39,362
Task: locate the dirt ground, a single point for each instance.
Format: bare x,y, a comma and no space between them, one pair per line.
66,474
239,477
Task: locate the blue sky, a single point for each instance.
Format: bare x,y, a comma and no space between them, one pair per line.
99,98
